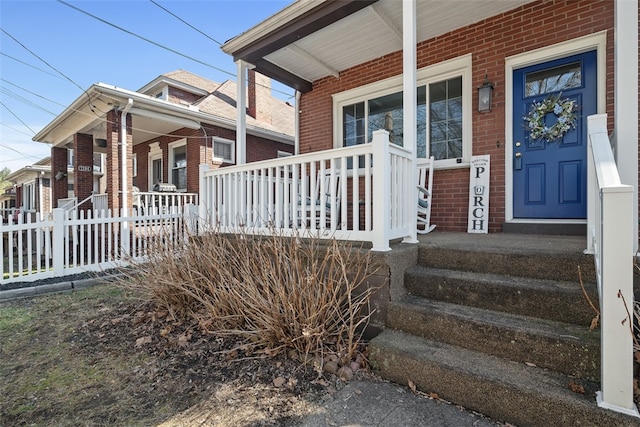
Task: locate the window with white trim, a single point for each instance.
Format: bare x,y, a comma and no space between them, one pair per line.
154,164
223,150
443,112
178,162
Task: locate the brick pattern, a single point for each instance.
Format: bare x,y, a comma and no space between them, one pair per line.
83,179
199,151
59,189
529,27
114,159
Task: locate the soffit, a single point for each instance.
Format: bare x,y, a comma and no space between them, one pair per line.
376,31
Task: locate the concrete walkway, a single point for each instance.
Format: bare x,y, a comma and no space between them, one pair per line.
384,404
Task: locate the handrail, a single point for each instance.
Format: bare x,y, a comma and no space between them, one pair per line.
610,240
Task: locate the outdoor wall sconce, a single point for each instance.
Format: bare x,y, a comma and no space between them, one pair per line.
60,175
485,93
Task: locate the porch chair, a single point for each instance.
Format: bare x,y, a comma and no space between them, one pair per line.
425,184
308,212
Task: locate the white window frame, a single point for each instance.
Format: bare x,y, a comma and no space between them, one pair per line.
230,142
155,153
172,147
456,67
282,154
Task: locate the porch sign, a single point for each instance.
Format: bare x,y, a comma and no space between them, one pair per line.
479,195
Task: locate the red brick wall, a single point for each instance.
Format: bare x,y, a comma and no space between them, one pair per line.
529,27
59,158
177,95
114,160
83,180
199,151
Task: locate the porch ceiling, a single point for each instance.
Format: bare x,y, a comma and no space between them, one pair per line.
354,35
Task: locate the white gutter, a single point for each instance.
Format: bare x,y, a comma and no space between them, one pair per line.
123,166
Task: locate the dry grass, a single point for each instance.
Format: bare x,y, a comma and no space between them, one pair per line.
301,297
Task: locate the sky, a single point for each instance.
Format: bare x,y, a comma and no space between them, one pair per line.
50,52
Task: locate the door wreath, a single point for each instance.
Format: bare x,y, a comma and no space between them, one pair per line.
563,109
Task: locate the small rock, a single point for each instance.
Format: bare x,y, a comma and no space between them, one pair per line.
345,373
278,382
331,367
355,366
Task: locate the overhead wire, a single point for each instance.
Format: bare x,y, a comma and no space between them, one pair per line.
49,65
32,66
19,119
185,22
206,64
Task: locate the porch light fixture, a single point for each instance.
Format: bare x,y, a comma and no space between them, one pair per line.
60,175
485,93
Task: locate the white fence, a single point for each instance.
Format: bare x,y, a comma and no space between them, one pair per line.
70,242
332,193
610,240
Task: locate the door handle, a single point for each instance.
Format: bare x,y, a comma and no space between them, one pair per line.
518,162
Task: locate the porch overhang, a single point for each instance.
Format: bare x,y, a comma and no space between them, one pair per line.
298,45
151,117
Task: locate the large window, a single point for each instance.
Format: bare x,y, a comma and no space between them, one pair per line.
443,112
178,160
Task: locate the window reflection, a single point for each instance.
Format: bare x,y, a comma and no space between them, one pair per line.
553,79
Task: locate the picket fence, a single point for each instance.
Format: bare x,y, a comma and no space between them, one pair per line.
71,242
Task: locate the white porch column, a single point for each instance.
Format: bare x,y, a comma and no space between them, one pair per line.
626,99
409,106
241,111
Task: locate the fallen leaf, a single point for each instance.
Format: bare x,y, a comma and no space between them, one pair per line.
576,388
531,365
411,385
143,341
434,395
278,382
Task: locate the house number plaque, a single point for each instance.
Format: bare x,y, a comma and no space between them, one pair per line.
82,168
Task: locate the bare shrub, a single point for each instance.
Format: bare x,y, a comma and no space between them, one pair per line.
306,297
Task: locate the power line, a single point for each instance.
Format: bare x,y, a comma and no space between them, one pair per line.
32,93
14,129
25,100
104,21
186,23
24,156
29,65
144,38
14,115
50,66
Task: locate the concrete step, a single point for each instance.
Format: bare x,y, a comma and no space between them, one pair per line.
504,390
546,299
562,347
542,257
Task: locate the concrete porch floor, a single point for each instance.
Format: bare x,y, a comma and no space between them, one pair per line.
508,242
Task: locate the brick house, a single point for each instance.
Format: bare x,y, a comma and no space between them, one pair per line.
165,130
351,83
31,192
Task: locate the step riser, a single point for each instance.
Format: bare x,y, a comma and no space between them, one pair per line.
537,265
519,403
578,357
568,306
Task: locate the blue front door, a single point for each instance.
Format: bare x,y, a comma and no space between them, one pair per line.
550,155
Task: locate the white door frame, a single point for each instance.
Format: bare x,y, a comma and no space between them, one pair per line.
596,41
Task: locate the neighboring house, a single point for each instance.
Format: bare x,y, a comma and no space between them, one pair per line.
7,203
171,126
346,60
31,189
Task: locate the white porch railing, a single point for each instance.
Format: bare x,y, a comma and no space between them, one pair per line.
332,193
610,240
70,242
161,202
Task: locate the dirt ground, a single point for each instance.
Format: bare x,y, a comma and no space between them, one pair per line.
101,357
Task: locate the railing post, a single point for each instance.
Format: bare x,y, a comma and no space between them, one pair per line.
381,185
57,241
616,300
204,196
596,124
